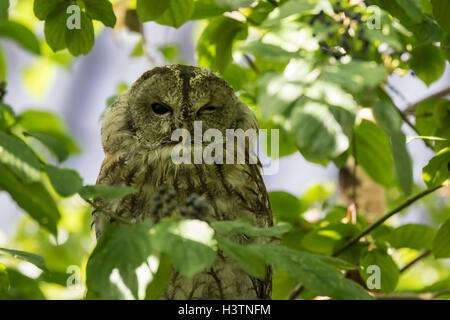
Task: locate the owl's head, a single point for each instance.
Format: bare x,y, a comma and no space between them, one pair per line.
173,97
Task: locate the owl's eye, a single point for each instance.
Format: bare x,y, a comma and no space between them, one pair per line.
160,109
208,108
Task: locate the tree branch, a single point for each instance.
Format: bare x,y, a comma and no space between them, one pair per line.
295,292
380,221
424,254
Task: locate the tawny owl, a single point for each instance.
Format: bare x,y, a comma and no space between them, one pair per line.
137,140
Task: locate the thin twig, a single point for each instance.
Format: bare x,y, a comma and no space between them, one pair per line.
440,94
110,213
380,221
295,292
251,63
423,255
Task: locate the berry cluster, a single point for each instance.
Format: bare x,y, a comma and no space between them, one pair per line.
195,207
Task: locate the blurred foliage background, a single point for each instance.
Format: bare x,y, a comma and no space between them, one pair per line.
317,70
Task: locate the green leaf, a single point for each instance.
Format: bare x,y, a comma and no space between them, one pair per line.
285,206
268,51
247,227
66,182
149,10
438,169
55,30
106,192
7,116
33,198
231,5
310,270
160,279
4,281
223,37
373,152
318,135
19,158
4,6
3,66
22,287
407,236
206,9
35,259
101,10
81,41
324,240
178,12
188,243
389,272
112,267
387,117
49,123
441,245
356,75
53,145
248,258
402,162
43,8
441,12
428,62
21,34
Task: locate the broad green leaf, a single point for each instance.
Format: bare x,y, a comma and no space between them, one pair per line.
151,9
373,152
171,52
55,30
402,162
248,227
223,37
43,8
66,182
318,135
268,51
33,198
206,9
4,6
81,41
231,5
48,123
324,240
441,12
285,206
4,281
316,275
389,272
118,268
356,75
276,94
178,12
101,10
7,116
249,259
160,279
35,259
387,117
438,169
53,144
441,244
106,192
188,243
19,158
428,62
414,236
20,34
22,287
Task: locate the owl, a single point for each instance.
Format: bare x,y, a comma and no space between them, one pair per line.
138,145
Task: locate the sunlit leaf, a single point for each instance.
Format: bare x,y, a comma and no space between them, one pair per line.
406,236
151,9
21,34
66,182
101,10
389,272
441,245
178,12
438,169
428,62
160,279
81,41
285,206
35,259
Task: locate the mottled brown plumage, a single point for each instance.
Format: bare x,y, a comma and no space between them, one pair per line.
137,144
